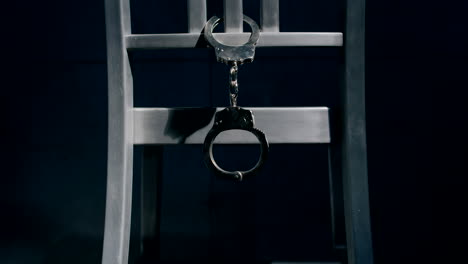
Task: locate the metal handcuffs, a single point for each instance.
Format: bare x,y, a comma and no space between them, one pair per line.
233,117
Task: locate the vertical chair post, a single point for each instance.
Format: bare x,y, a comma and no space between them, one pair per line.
120,135
353,139
233,16
196,10
269,15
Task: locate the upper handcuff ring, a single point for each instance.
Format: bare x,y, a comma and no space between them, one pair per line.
233,54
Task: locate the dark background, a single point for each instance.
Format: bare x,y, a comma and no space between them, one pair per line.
52,191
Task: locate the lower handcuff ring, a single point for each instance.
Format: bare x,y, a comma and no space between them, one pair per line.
228,119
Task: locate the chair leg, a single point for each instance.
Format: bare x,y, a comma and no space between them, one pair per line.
119,181
151,187
120,135
353,139
118,207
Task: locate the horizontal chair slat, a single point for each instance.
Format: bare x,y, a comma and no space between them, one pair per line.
294,125
267,39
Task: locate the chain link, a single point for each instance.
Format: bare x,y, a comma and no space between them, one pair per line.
233,85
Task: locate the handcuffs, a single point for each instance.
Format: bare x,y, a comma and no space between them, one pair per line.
233,117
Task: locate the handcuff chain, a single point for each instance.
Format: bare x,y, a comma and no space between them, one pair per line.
233,85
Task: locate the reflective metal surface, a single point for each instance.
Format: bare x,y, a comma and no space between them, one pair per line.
233,85
233,54
228,119
233,117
